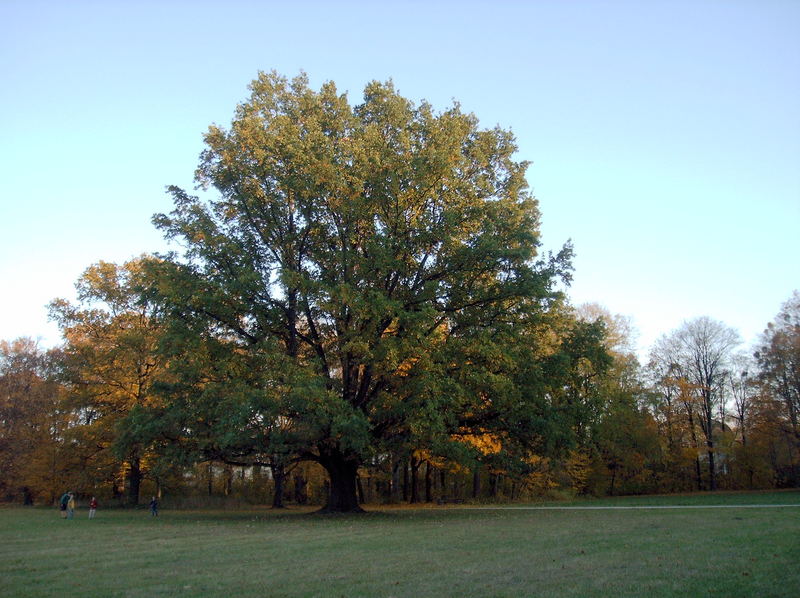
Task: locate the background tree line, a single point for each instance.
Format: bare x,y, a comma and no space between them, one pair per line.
632,428
361,312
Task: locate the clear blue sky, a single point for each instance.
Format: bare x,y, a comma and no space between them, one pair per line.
664,136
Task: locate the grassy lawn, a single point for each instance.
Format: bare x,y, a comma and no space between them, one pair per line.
438,551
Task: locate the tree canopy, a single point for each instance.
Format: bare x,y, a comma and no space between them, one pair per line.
368,272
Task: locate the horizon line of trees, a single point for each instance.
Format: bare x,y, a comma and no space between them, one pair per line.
697,416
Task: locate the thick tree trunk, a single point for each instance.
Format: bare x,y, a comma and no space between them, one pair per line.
300,495
360,491
342,473
228,480
369,495
415,463
134,481
278,477
494,484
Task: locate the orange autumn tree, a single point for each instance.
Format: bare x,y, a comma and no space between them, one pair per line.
110,365
35,461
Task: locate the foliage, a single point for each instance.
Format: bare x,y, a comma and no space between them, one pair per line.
361,292
696,359
361,283
33,456
109,365
778,356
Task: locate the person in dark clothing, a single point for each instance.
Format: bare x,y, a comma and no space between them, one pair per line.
62,504
154,507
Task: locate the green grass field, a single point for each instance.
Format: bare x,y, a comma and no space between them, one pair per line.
437,551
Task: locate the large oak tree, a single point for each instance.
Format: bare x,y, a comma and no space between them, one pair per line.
355,278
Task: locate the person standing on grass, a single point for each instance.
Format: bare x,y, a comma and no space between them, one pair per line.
154,507
71,506
62,504
92,507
